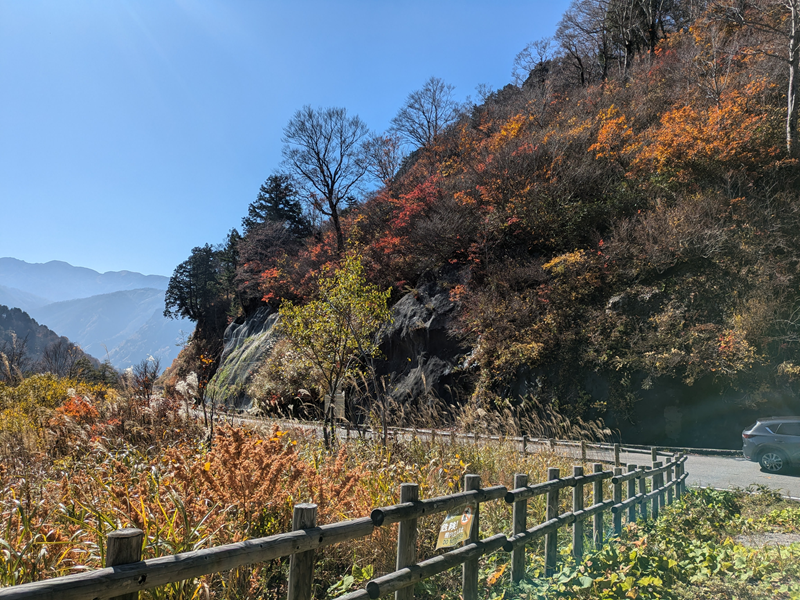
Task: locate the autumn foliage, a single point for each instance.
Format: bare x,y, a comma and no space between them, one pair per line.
632,220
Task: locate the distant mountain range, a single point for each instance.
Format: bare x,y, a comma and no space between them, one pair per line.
116,315
57,280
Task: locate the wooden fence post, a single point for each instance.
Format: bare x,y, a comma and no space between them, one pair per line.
653,455
643,490
407,539
670,494
469,570
583,450
631,494
656,501
551,539
679,487
577,504
520,523
616,456
124,546
433,436
552,445
524,445
617,500
301,565
597,498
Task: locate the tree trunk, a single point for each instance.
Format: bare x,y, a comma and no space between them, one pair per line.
791,92
337,226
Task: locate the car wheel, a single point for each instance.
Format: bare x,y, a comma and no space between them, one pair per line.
773,461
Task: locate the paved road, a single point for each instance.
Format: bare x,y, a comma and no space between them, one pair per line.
730,472
727,473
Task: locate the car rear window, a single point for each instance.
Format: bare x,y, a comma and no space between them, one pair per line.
789,429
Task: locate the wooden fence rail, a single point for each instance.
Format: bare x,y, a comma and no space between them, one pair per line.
668,481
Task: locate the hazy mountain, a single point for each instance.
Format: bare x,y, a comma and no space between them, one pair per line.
125,326
13,297
59,281
160,337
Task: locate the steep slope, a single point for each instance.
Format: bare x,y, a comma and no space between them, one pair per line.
60,281
16,322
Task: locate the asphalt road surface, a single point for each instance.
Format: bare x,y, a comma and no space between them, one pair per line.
723,472
728,473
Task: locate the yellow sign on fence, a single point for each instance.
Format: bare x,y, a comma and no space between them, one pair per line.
455,528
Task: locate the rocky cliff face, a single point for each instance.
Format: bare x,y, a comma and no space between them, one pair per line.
420,356
245,346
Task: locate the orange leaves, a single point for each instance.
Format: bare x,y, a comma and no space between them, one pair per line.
615,137
254,478
740,134
509,131
79,410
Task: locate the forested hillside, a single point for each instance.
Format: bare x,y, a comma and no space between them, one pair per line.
27,347
621,218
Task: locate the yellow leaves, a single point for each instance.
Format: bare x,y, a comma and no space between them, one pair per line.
615,136
508,131
340,324
560,264
207,466
790,370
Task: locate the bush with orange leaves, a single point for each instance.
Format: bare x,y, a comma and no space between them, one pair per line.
260,480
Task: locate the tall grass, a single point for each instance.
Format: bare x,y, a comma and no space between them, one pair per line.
186,496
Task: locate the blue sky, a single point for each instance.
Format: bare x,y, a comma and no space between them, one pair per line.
131,132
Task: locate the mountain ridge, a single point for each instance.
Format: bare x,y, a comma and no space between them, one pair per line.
116,315
59,281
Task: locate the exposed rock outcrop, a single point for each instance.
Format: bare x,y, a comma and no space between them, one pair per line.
421,355
245,346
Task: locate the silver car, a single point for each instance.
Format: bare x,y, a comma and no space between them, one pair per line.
773,442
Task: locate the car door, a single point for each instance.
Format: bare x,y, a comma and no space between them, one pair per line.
788,438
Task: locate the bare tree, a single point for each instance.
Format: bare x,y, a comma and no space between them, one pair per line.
584,35
383,154
324,150
14,359
60,358
143,378
426,113
779,22
531,58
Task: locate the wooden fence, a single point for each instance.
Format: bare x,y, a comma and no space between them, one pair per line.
126,574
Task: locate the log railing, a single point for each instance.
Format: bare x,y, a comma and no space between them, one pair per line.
127,575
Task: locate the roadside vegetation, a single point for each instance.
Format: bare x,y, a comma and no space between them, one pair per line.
79,461
741,545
